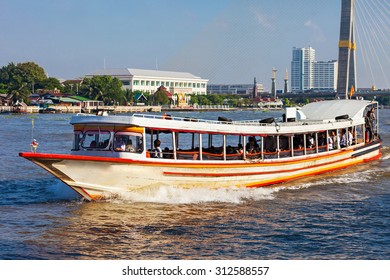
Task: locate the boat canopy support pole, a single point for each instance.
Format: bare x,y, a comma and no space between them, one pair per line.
200,147
174,145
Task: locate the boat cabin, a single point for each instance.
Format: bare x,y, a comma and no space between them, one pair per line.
316,128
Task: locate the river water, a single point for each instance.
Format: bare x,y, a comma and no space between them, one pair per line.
342,215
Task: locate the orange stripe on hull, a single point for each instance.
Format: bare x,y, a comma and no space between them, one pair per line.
247,173
325,170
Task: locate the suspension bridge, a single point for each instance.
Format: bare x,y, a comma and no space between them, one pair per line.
368,24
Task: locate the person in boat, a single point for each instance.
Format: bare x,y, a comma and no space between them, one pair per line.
34,145
252,146
330,142
240,149
343,138
335,139
369,120
93,144
157,152
309,141
119,145
129,146
321,139
270,144
350,137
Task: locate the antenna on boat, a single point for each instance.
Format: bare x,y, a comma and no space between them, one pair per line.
34,144
32,128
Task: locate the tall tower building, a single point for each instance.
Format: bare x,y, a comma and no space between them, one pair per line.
273,89
302,67
347,46
286,82
325,75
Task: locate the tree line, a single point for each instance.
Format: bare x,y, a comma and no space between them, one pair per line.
20,80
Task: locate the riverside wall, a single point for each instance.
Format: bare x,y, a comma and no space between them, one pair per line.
77,109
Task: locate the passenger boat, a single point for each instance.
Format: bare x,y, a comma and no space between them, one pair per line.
116,154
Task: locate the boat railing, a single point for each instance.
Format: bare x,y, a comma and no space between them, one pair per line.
188,119
240,122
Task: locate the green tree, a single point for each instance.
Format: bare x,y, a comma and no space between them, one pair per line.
128,96
159,98
215,99
20,79
104,88
33,72
49,83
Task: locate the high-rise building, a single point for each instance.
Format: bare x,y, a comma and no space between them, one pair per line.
302,65
325,75
309,74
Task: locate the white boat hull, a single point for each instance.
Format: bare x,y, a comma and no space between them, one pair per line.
98,177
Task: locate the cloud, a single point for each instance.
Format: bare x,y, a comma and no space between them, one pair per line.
262,19
318,34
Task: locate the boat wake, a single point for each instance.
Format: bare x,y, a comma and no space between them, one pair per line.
174,195
385,153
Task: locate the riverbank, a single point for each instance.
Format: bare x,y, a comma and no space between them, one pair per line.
130,109
77,109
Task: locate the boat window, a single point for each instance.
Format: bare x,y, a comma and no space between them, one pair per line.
131,142
96,140
212,146
333,139
347,137
270,146
165,138
187,145
298,144
234,147
322,143
310,143
77,139
359,134
284,146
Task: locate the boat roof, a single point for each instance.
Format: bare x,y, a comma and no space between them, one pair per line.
319,116
329,109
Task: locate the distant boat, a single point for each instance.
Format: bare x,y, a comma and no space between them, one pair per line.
116,154
49,110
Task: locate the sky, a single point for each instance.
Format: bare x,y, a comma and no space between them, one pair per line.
224,41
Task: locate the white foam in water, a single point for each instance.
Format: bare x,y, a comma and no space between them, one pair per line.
173,195
385,153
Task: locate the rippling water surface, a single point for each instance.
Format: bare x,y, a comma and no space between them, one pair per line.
342,215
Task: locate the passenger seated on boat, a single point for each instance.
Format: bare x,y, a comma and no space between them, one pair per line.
167,153
157,152
252,146
240,149
270,144
298,141
283,143
119,144
93,144
309,141
196,154
321,139
230,150
129,146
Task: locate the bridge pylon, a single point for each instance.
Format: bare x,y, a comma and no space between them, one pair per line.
346,77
